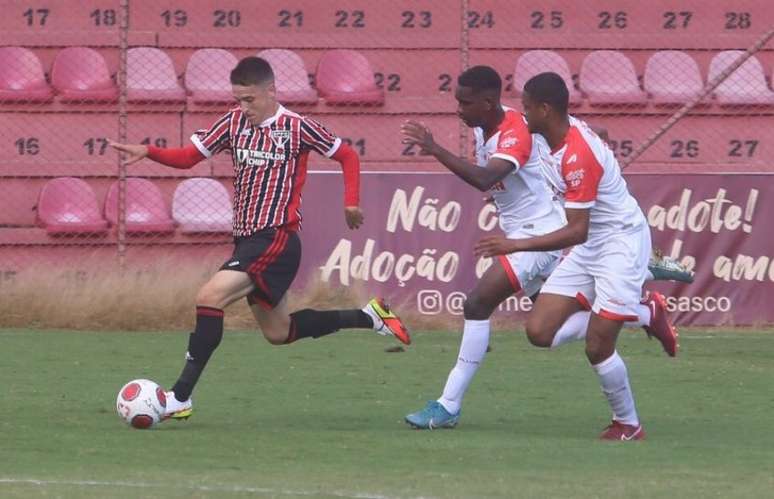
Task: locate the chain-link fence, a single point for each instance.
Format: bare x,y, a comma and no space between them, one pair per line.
75,74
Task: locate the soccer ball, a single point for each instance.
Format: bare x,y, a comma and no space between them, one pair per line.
141,403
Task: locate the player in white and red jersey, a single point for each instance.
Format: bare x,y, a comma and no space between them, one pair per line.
269,147
508,166
608,263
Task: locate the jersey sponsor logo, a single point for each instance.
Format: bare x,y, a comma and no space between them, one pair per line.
575,178
279,137
250,158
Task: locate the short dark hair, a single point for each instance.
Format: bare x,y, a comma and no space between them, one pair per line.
251,71
549,88
480,78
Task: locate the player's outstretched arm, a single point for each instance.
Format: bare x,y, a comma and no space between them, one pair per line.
176,157
350,167
575,232
481,178
134,152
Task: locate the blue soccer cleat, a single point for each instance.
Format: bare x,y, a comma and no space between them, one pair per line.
433,416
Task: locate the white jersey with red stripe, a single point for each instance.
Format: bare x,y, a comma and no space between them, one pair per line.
585,172
269,164
524,200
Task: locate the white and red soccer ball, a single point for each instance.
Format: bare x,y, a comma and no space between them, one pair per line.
141,403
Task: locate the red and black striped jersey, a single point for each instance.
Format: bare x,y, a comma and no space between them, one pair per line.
269,164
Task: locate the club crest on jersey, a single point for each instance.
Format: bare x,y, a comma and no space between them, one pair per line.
575,178
279,137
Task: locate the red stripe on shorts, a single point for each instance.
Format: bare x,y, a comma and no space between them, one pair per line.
509,272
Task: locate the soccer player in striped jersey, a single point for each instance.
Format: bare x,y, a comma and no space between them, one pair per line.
269,147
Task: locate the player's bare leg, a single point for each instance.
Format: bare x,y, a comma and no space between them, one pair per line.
613,377
550,313
491,290
274,323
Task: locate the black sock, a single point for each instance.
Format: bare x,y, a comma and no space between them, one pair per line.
201,344
315,323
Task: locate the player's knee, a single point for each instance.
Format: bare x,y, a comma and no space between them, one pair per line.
476,309
209,297
537,334
598,350
275,336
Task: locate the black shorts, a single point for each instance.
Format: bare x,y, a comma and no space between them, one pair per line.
271,258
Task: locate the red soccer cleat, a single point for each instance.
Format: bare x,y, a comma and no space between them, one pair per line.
660,327
622,432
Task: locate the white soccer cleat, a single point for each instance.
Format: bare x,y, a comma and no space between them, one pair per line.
176,409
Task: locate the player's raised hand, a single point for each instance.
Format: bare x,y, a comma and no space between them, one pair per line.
354,217
494,245
135,152
418,133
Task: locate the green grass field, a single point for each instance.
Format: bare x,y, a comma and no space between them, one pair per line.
324,418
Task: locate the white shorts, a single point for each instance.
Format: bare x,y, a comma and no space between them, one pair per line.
528,270
607,273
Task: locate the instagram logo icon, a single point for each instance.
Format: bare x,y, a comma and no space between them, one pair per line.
429,302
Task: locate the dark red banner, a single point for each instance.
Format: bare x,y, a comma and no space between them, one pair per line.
417,244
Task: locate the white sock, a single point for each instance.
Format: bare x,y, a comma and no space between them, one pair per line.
573,329
643,317
475,339
615,385
649,276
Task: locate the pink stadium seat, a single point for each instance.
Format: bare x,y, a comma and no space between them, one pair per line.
81,74
672,77
150,76
540,61
346,77
607,77
290,75
745,86
146,211
202,205
68,205
207,75
21,77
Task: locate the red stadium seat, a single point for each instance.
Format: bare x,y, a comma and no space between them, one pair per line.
207,75
150,76
22,78
80,74
672,77
290,75
68,205
745,86
346,77
146,211
202,205
539,61
607,77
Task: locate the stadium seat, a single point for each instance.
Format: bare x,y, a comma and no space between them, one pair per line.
346,77
290,75
202,205
672,77
607,77
745,86
80,74
68,205
207,76
534,62
146,211
21,77
150,76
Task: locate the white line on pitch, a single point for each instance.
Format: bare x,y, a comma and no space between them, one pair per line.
198,488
